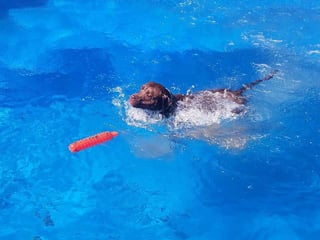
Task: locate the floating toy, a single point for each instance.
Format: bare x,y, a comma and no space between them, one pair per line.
91,141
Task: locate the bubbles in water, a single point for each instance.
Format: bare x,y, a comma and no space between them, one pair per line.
148,146
206,109
139,117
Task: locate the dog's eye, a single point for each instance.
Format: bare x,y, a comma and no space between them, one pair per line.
148,93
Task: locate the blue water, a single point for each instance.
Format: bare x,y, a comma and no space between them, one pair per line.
67,69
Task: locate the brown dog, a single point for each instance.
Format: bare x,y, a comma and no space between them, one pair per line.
155,97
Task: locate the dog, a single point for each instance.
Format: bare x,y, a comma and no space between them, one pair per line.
155,97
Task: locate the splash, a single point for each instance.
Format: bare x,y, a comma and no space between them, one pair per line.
133,116
208,117
141,118
206,109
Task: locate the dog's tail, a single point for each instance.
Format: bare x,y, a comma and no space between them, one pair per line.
252,84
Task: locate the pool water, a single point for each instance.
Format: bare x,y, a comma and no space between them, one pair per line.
67,69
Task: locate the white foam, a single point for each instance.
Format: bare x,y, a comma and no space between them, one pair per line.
313,52
141,118
204,110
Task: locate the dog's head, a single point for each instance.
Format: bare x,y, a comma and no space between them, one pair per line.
153,96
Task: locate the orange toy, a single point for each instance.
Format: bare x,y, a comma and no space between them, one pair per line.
91,141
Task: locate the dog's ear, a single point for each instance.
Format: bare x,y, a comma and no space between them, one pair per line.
166,102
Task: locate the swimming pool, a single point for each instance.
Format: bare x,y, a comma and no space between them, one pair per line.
67,69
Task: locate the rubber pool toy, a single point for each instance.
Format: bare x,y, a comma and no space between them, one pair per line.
91,141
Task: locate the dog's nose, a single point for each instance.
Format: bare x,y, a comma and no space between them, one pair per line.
134,99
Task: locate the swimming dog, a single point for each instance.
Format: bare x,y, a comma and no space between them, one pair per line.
155,97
